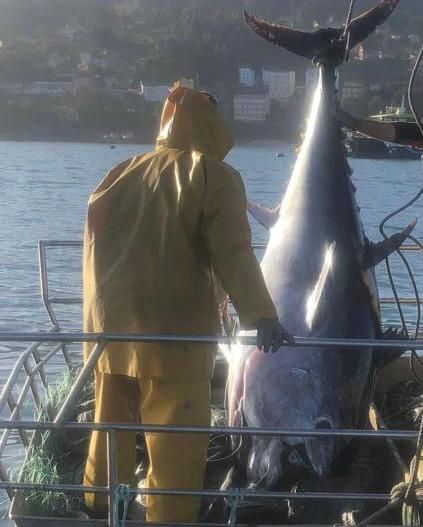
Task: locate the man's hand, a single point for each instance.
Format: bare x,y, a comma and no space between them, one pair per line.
271,334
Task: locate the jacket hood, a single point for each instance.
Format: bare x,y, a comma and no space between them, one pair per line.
191,122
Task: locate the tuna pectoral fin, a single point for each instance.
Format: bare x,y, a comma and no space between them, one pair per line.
314,307
266,217
313,45
377,252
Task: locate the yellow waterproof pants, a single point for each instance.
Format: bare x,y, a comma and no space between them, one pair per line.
177,461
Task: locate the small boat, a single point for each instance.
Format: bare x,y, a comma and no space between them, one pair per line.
362,147
279,154
404,152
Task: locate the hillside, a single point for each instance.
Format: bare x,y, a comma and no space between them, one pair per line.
117,44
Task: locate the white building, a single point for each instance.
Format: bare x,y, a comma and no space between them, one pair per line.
247,76
353,90
281,84
251,107
155,93
72,31
85,60
56,59
55,88
184,82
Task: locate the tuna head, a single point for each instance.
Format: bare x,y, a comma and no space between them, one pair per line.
289,394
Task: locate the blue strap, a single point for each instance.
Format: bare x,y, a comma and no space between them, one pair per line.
122,494
236,497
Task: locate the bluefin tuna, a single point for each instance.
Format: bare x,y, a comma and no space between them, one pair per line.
318,267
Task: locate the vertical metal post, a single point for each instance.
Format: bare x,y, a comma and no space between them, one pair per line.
41,370
14,411
4,476
34,387
67,357
69,405
44,283
111,473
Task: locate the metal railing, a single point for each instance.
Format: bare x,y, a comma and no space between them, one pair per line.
44,346
101,340
49,301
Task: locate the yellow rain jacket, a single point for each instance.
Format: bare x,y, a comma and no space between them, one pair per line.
163,230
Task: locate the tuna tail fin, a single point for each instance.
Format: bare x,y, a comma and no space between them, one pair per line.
314,45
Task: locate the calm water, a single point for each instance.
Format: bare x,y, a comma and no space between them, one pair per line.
44,191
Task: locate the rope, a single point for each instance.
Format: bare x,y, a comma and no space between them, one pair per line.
404,492
410,90
122,494
414,356
398,497
346,36
349,16
415,464
236,497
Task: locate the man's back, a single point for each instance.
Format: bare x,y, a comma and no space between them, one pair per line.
160,228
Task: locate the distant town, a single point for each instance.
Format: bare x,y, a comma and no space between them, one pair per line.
80,76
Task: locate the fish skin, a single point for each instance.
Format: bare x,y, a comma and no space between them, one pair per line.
318,269
299,387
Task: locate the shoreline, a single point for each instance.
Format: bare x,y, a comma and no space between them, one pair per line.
278,146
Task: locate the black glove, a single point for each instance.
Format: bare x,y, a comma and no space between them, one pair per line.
271,334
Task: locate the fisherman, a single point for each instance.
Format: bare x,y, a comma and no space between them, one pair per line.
389,131
166,233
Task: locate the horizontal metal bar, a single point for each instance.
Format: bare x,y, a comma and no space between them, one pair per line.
405,435
390,300
62,243
405,247
65,301
78,243
23,519
306,342
77,489
247,494
405,300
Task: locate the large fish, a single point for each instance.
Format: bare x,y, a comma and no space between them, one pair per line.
318,267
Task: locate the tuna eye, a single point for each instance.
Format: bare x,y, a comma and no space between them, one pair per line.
323,423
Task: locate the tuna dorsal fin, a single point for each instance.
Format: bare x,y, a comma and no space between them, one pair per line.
313,45
377,252
266,217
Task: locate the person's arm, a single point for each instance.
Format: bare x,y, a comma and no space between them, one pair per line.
408,134
390,131
228,238
380,130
